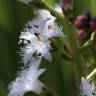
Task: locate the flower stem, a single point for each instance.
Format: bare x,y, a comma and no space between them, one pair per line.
48,92
77,59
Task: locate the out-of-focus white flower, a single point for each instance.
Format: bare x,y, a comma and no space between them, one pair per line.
27,79
58,8
37,34
25,1
86,88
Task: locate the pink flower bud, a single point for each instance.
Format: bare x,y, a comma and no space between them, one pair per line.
83,21
81,34
80,21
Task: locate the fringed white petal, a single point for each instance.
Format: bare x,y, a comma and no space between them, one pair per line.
53,30
27,80
27,36
26,54
45,15
37,24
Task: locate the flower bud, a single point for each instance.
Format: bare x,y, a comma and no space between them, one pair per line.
83,21
93,23
81,34
80,21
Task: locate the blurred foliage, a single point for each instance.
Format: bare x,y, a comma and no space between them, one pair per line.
51,2
59,74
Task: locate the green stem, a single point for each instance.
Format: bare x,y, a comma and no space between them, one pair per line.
78,72
77,59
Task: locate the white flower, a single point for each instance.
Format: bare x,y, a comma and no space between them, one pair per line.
37,34
27,79
86,88
25,1
58,8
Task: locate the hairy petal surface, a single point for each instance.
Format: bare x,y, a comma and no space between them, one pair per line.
27,79
37,33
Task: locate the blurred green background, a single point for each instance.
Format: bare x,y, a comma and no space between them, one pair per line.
59,74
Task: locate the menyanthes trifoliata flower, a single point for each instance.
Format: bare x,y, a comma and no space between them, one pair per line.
36,36
36,44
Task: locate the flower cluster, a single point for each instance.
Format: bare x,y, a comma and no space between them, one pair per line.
35,39
84,22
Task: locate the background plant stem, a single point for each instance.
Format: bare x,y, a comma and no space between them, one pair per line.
77,59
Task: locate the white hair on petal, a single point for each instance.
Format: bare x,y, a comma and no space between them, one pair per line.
27,80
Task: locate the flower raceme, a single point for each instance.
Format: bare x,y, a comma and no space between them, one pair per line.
27,79
35,39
